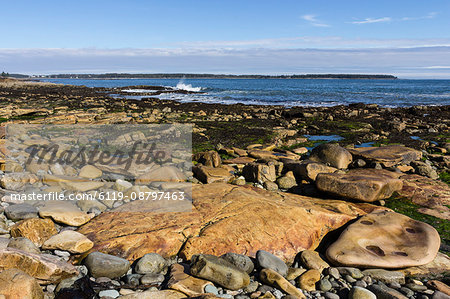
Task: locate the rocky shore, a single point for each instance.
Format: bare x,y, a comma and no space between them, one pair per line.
317,202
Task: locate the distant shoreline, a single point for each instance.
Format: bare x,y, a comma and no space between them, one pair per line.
110,76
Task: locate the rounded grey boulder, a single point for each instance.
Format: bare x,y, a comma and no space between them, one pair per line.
105,265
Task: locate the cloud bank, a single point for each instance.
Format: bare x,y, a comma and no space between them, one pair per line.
417,62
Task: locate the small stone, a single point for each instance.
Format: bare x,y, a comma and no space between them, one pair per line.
220,271
307,281
24,244
361,293
209,288
406,291
266,260
122,185
361,283
273,278
152,279
330,295
270,186
395,285
324,285
439,286
440,295
349,279
21,211
109,293
151,263
382,291
133,279
181,280
286,182
101,264
293,273
64,212
386,276
243,262
312,260
333,272
353,272
90,172
252,287
416,287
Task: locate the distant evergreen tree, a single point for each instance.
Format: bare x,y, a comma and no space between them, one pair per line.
4,74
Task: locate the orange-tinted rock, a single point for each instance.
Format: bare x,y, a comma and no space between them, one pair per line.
180,280
15,283
431,194
36,229
209,175
366,185
45,268
384,239
387,155
225,218
273,278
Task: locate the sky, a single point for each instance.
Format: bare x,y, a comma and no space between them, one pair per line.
410,39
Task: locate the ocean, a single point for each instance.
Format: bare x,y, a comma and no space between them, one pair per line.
292,92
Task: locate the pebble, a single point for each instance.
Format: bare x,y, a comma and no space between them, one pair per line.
361,283
349,279
269,261
330,295
324,285
361,293
101,264
333,272
241,261
382,291
152,279
24,244
353,272
252,287
151,263
406,291
21,211
209,288
385,276
109,293
133,279
416,287
440,295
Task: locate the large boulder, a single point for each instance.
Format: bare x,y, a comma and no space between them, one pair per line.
332,154
387,156
225,218
367,185
384,239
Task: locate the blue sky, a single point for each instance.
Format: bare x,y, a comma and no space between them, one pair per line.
406,38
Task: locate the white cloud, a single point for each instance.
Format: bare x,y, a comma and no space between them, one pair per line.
373,20
312,19
430,15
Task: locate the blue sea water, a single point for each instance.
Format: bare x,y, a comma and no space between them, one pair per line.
293,92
